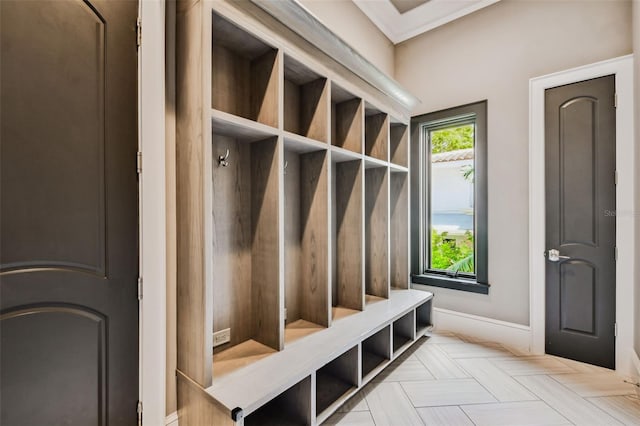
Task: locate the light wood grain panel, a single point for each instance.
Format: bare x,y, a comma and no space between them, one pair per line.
194,316
603,384
265,281
376,232
293,248
239,356
399,144
496,381
531,413
377,136
625,409
353,418
314,223
475,350
446,392
399,224
356,403
349,234
291,106
404,370
390,406
566,402
440,365
335,379
232,241
299,329
264,88
444,416
525,366
197,408
230,82
347,124
314,110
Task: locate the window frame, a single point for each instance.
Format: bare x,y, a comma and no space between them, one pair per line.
421,193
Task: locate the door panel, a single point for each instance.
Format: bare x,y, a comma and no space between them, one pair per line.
580,191
68,220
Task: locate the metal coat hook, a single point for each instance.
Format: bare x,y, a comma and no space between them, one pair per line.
222,159
284,169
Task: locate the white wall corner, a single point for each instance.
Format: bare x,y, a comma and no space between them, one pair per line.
508,334
172,419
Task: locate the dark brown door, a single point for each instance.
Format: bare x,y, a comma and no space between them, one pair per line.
68,226
580,222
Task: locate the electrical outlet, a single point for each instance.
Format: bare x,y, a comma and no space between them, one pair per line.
221,337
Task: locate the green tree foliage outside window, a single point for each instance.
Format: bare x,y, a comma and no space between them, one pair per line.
452,138
449,255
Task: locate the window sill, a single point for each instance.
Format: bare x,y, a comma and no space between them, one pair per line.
460,284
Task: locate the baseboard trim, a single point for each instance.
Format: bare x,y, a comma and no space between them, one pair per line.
509,334
172,419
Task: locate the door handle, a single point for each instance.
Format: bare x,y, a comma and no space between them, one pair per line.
554,256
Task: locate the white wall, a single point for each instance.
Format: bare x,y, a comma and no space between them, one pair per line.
491,55
636,50
345,19
450,191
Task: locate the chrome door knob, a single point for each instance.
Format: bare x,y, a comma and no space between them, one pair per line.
554,256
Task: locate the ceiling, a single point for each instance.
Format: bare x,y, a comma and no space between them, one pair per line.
400,20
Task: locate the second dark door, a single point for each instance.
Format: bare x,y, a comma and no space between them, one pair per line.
580,221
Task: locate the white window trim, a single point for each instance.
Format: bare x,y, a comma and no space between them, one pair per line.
152,215
622,67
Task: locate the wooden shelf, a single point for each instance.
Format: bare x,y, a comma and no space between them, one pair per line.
399,230
376,353
340,312
306,101
226,124
244,74
374,163
399,144
347,116
339,155
377,232
239,356
292,407
298,329
245,239
348,235
336,380
376,133
301,144
403,333
370,299
306,236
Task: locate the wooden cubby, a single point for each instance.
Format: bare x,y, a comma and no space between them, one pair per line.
376,133
292,407
244,75
348,236
245,242
306,234
377,231
376,353
403,332
399,144
399,229
306,101
292,221
347,119
423,318
335,381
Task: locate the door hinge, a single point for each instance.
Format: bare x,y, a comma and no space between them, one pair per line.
615,177
615,329
139,162
615,100
615,253
139,288
138,33
139,411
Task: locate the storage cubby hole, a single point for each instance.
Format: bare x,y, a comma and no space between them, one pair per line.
245,255
292,407
376,233
399,226
399,144
347,180
306,223
346,119
306,100
244,74
376,352
403,332
336,379
376,133
423,317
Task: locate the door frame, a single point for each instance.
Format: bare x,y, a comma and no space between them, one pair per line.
622,68
153,224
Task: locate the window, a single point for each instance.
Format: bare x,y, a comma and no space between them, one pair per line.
449,198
